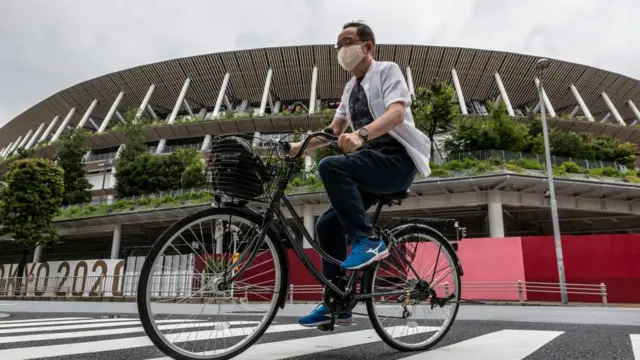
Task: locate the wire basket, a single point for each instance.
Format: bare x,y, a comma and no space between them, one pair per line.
245,167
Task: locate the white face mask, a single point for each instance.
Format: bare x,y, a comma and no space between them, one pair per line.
350,56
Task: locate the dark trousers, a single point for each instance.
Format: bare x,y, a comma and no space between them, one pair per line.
351,185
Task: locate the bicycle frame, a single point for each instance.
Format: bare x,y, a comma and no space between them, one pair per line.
275,213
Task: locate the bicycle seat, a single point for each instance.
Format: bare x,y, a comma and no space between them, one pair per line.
401,195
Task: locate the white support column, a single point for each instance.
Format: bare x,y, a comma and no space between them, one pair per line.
145,102
15,146
309,224
115,244
37,254
265,93
410,84
634,109
503,93
186,105
606,117
314,91
24,141
494,213
93,123
87,113
112,111
456,84
256,139
176,107
49,128
202,113
613,109
583,106
120,117
545,98
2,151
35,137
153,113
216,110
5,152
574,112
63,126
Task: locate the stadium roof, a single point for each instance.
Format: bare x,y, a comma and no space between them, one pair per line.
292,73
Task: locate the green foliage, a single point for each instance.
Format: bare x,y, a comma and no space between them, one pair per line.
189,198
70,157
501,132
498,132
30,201
439,172
433,108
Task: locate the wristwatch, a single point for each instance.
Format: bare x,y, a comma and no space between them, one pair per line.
364,133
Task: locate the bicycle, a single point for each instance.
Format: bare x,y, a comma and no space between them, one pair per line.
339,296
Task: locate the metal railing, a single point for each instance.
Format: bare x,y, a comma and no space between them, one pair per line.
555,160
194,286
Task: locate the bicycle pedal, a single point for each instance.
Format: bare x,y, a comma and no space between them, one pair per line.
326,327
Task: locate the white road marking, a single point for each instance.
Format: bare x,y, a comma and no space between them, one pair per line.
49,323
499,345
311,345
36,352
635,345
108,332
40,320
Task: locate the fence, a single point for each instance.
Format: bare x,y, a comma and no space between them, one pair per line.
555,160
187,287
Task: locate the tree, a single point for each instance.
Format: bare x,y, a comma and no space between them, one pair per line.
70,158
30,200
434,108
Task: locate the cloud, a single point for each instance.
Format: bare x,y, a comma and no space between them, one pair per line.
46,46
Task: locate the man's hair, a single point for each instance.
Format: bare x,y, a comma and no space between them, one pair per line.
363,30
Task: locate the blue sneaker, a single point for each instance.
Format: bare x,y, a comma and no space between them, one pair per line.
365,252
321,316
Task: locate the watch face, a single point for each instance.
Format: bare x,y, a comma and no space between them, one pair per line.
363,132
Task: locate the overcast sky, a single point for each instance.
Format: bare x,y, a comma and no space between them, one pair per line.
46,46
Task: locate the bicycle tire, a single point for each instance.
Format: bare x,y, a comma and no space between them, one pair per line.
142,299
402,231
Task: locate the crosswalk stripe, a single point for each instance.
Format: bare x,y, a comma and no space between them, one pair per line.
45,323
79,327
40,320
118,331
126,343
503,345
311,345
635,345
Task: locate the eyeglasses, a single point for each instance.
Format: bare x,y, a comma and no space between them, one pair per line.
347,42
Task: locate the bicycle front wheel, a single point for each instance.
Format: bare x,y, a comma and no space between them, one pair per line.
187,305
425,269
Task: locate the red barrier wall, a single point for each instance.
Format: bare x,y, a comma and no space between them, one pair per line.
591,259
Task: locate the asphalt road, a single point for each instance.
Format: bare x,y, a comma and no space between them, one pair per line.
508,333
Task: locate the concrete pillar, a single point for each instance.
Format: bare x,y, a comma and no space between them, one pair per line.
15,145
265,92
581,103
545,98
112,111
176,107
503,93
410,84
5,152
145,102
314,91
25,140
309,224
634,109
37,254
256,139
460,96
613,109
496,222
35,137
63,126
216,109
87,113
115,244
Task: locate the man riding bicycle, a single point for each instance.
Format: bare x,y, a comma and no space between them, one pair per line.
387,152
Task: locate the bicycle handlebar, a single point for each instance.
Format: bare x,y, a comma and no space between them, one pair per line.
326,133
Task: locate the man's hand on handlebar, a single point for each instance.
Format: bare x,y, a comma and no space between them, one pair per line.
295,147
350,142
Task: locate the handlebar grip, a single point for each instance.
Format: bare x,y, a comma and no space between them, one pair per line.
286,146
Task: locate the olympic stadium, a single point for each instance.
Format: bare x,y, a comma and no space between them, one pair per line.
276,91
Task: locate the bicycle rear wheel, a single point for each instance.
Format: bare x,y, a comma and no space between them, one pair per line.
196,313
404,322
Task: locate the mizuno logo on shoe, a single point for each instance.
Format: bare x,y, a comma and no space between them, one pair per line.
376,250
